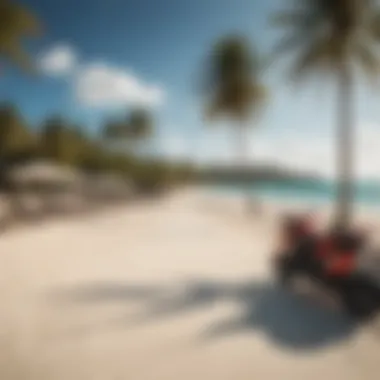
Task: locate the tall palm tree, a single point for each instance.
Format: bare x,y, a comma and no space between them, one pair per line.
233,87
16,22
334,37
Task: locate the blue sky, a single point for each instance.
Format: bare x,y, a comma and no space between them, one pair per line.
153,51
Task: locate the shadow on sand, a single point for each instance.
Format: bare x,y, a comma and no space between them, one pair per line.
288,319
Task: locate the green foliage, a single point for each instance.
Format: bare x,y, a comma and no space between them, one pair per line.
232,87
231,81
326,34
140,124
16,22
136,126
115,130
15,138
60,141
150,175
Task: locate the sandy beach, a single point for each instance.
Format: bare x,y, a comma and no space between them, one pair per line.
178,288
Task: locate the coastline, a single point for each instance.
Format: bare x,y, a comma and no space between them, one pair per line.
364,213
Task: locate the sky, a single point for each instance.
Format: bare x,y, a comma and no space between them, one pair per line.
99,58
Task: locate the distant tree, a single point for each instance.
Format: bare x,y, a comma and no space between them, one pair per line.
136,126
129,132
51,138
232,86
114,130
60,141
335,37
16,144
16,140
140,124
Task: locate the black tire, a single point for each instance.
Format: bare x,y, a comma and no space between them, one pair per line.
284,271
360,304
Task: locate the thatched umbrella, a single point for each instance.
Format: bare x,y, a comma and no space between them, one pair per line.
44,175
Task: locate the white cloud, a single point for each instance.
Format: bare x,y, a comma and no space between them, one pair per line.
59,60
97,84
101,85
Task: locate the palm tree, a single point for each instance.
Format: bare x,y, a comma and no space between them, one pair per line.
232,86
10,122
16,140
113,129
135,128
140,124
16,22
233,89
140,127
334,37
52,138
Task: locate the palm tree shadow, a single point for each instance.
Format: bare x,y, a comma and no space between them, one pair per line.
287,319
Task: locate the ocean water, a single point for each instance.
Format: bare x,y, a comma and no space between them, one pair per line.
367,194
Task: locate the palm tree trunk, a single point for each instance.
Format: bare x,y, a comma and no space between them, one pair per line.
345,151
242,146
243,163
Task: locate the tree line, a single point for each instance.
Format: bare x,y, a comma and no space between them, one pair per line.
61,141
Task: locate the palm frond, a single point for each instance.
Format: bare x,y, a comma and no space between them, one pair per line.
368,60
301,27
297,19
317,56
17,54
328,32
16,22
232,73
374,27
288,44
260,94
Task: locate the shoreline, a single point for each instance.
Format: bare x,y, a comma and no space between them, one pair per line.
285,205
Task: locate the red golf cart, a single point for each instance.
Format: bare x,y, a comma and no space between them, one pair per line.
332,260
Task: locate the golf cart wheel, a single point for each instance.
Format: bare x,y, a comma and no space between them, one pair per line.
284,272
360,304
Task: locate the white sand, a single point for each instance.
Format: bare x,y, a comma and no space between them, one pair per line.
178,289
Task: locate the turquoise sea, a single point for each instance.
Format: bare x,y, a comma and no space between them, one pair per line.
313,193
